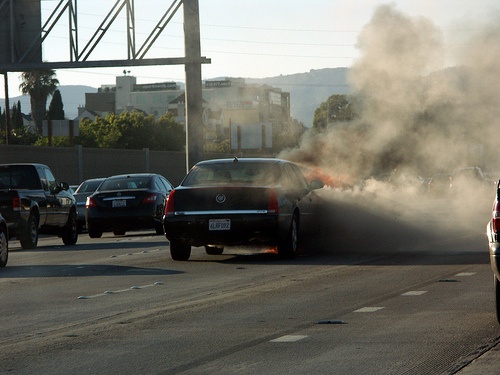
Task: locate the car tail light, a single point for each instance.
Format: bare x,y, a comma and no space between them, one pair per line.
272,203
169,207
496,217
90,202
16,204
150,198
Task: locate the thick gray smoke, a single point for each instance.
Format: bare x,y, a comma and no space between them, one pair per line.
417,114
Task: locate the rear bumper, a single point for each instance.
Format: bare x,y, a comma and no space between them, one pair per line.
143,218
494,247
495,258
16,223
251,229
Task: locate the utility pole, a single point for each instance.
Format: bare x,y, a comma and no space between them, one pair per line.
7,109
194,99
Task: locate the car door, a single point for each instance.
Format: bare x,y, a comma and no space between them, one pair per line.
58,201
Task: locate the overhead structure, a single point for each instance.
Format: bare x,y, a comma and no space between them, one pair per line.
22,35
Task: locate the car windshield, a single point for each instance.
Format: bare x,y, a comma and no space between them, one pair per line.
245,173
124,183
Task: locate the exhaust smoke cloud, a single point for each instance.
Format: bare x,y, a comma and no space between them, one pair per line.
417,114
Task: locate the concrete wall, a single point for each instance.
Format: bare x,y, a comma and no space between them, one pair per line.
76,164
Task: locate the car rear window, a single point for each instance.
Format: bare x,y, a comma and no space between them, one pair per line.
125,183
19,177
253,173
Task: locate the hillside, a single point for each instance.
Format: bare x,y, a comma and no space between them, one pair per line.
307,92
72,97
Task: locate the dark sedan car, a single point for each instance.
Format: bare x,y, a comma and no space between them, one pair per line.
493,233
4,242
127,202
85,189
232,202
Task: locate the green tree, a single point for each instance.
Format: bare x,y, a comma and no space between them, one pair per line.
87,133
56,107
17,116
169,135
337,108
39,85
132,130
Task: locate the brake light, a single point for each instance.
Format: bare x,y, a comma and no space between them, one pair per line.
150,198
272,203
16,204
90,203
496,217
169,207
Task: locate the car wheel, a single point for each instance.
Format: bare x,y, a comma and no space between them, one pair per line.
4,248
180,250
214,250
70,231
94,230
29,234
287,247
497,298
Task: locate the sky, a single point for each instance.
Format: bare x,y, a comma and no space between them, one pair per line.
250,39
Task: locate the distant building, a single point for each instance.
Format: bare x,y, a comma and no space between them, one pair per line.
227,103
85,113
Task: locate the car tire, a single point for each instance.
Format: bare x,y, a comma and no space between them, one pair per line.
180,250
70,231
4,248
29,233
214,250
287,247
94,231
497,297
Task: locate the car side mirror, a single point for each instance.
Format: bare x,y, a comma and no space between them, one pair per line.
64,186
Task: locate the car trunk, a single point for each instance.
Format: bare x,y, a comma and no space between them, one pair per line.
219,198
120,200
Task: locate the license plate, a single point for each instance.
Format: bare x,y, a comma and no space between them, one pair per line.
119,203
219,224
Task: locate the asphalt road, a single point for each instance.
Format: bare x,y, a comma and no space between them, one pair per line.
409,299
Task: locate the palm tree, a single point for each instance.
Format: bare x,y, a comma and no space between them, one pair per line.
39,85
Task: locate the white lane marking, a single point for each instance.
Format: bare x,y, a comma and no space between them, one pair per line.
289,338
414,293
465,274
369,309
107,292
